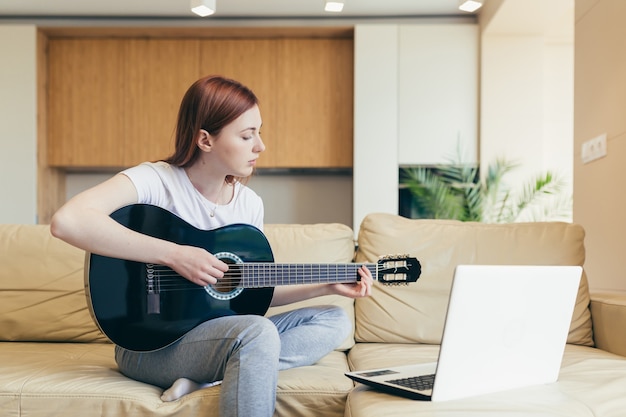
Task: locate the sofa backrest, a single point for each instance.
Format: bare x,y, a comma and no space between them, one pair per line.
42,288
42,278
416,313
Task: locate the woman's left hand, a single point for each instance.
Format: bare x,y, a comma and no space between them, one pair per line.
362,288
288,294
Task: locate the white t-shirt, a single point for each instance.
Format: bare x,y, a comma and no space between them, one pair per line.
169,187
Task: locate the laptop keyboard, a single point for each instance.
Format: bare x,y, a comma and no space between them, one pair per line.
420,383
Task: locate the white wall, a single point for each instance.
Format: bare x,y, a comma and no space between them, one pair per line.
375,121
438,94
527,86
305,198
527,111
18,124
600,106
415,98
288,197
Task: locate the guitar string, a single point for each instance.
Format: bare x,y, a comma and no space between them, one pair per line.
186,285
311,269
169,280
235,276
178,283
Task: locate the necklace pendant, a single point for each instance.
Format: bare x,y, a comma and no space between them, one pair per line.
212,214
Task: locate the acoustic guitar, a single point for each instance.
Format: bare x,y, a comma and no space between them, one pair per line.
145,307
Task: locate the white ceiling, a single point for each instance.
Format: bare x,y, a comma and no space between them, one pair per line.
226,8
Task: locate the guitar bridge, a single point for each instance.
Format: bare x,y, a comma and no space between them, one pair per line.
153,298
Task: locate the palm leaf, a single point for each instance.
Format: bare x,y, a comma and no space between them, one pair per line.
455,191
541,194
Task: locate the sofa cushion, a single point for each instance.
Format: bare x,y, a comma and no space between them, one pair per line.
313,243
42,288
608,309
591,383
416,313
81,379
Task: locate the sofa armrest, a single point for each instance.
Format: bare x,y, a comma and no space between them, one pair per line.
608,314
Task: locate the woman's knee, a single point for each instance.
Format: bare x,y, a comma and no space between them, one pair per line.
262,333
340,318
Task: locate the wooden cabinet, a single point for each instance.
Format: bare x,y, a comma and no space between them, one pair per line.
156,75
316,85
113,102
85,99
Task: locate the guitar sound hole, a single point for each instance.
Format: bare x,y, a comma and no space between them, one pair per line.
229,286
231,279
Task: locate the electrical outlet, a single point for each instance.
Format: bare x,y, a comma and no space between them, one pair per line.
593,149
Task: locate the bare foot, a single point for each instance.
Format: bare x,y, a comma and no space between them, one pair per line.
184,386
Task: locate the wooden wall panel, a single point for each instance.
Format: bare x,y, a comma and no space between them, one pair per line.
316,93
113,102
157,72
85,94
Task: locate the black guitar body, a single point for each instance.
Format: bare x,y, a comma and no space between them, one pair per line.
143,307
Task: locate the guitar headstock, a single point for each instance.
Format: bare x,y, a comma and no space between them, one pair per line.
398,269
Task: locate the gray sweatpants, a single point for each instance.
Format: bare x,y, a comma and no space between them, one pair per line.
246,352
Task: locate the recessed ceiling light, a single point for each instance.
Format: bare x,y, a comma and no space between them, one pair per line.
203,7
470,5
334,6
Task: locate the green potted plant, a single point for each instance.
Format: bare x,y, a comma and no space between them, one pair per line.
458,191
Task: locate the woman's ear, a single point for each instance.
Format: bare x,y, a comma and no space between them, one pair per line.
204,141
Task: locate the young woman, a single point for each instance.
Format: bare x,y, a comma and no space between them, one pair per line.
217,144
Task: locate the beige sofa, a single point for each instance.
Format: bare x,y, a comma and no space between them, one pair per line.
55,362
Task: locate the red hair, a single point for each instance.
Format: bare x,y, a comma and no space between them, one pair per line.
210,103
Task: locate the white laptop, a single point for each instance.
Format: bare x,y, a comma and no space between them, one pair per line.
506,327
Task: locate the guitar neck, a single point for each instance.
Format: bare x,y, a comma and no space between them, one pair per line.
258,275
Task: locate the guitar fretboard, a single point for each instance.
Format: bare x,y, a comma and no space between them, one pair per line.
258,275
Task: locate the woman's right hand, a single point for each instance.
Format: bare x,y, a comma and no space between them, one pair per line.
197,265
